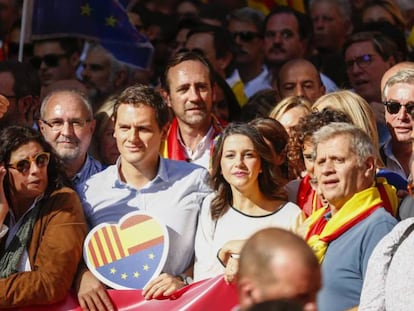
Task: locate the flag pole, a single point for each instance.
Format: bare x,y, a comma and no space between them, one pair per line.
22,30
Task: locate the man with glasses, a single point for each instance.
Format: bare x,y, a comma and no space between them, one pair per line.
398,99
245,25
368,55
19,90
56,59
66,122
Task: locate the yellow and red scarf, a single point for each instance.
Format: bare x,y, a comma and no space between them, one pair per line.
322,231
171,148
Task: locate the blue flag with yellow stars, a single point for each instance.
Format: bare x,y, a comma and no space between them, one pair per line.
103,20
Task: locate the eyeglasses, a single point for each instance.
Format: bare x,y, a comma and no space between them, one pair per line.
23,166
57,124
51,60
362,61
393,107
246,36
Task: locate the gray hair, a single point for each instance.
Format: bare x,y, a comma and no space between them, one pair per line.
402,76
115,65
360,143
83,98
248,15
344,6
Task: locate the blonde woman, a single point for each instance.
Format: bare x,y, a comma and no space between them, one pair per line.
289,111
357,109
103,144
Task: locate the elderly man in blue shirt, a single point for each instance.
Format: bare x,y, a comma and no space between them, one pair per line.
67,123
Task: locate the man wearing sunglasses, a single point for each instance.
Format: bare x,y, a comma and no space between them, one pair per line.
398,99
20,90
245,25
56,59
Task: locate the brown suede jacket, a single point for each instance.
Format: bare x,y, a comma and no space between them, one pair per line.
54,254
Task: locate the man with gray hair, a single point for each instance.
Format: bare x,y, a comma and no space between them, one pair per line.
102,74
398,99
245,25
67,123
344,232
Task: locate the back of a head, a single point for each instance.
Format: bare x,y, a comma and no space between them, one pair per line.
259,250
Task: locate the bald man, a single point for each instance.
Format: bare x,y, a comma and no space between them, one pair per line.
393,70
299,77
276,264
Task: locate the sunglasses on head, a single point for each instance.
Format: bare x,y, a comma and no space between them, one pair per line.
393,107
245,36
23,166
51,60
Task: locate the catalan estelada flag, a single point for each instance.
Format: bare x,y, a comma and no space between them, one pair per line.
129,254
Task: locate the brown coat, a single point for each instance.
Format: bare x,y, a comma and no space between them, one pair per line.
54,253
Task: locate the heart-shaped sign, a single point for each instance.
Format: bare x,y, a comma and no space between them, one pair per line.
129,254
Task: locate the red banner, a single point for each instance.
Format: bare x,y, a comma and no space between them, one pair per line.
212,294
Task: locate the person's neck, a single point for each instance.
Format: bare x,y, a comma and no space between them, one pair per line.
192,135
20,206
138,175
73,167
249,71
403,151
253,202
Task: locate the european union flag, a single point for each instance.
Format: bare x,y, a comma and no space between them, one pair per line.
102,20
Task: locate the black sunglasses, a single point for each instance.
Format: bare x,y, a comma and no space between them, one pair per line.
245,36
393,107
51,60
23,166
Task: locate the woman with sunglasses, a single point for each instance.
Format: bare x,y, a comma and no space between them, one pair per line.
41,219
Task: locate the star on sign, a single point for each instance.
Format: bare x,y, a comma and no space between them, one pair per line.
145,267
86,9
124,276
113,270
110,21
136,274
151,256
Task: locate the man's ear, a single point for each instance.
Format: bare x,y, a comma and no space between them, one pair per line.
370,166
164,93
121,77
224,61
74,59
164,131
246,291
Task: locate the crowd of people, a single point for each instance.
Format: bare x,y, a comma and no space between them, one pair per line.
275,145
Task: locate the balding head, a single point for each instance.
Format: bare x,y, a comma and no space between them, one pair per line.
393,70
299,77
275,263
